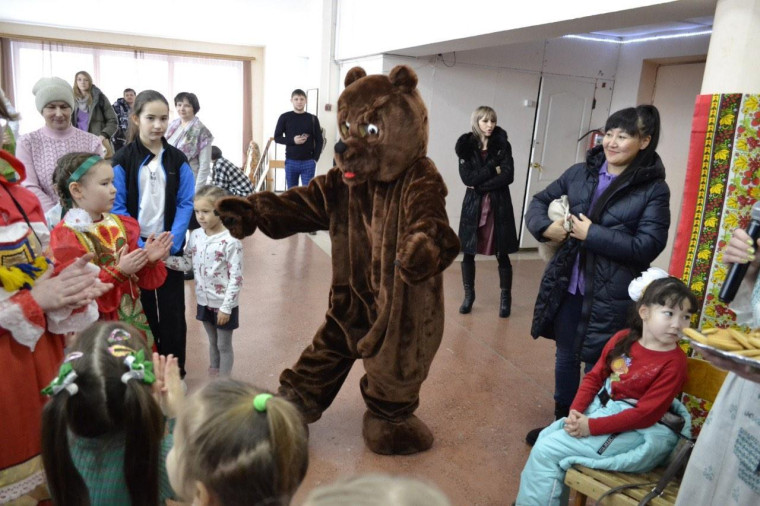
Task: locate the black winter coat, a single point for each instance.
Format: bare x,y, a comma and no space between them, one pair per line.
481,178
630,232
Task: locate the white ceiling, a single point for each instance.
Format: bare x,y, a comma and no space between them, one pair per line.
685,26
241,22
263,22
666,18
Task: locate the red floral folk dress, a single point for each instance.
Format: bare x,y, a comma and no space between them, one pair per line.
76,234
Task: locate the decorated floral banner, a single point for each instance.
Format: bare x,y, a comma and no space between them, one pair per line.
722,183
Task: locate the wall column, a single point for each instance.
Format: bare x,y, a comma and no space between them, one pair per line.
732,63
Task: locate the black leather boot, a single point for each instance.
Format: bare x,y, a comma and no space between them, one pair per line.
468,280
505,283
560,411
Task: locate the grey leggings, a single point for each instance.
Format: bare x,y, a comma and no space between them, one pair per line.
219,349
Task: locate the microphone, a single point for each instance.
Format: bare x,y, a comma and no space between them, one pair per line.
737,272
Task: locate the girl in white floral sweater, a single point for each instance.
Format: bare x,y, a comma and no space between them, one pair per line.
216,259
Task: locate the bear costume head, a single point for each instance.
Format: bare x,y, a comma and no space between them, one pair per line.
383,125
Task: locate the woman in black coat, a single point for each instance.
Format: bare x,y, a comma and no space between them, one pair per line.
487,223
620,206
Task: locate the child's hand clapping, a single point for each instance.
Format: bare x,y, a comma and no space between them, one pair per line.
168,388
576,424
131,263
158,248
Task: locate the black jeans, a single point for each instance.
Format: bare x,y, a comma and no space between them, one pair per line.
567,362
165,309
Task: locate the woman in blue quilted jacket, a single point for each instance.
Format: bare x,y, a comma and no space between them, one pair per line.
620,206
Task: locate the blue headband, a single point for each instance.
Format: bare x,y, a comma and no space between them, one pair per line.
83,168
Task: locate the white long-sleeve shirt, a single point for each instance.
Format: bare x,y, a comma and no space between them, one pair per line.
217,262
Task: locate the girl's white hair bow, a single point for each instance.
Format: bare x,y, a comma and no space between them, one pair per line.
638,285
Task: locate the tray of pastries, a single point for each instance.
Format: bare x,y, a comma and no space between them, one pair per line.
729,349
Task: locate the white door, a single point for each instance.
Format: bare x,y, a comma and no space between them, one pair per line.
564,114
675,92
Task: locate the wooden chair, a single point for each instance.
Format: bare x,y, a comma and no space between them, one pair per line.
704,382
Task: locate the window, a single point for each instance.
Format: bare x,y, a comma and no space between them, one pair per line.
217,82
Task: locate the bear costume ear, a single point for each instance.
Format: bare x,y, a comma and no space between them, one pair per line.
403,77
354,74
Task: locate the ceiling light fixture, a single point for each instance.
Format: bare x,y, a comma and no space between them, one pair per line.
642,39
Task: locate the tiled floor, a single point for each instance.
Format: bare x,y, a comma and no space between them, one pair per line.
489,384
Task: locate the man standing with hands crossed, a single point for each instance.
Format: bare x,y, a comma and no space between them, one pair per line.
300,132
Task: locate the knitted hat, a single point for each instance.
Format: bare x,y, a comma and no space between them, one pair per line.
52,89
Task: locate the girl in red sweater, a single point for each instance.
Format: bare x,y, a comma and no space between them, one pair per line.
630,388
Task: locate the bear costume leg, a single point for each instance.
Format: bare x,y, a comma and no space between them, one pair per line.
391,388
315,379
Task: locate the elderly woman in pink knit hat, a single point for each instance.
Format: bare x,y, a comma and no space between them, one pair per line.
40,150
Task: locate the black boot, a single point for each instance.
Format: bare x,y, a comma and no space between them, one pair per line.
505,283
560,411
468,280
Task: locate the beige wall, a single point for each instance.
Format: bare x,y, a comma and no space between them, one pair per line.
175,46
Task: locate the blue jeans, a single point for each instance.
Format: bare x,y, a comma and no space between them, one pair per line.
295,168
567,362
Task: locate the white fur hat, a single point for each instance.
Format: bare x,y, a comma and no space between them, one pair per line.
52,89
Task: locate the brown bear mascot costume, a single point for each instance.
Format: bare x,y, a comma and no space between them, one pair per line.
384,207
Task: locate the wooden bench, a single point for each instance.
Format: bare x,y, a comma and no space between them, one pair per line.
704,382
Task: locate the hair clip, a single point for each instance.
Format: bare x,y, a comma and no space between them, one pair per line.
74,355
119,350
64,381
260,402
118,336
139,368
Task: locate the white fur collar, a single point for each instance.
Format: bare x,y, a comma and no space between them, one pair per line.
78,219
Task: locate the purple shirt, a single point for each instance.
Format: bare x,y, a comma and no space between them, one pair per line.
83,120
577,281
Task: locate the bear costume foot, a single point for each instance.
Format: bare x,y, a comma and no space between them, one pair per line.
396,438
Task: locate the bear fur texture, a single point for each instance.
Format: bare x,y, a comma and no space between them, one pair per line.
384,207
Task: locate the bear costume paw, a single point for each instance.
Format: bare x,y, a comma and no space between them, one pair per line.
396,438
238,216
417,258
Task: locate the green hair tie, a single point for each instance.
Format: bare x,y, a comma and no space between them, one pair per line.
140,368
64,381
260,402
83,168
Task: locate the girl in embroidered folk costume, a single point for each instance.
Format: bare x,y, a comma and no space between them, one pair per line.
217,260
85,185
613,420
104,437
35,308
